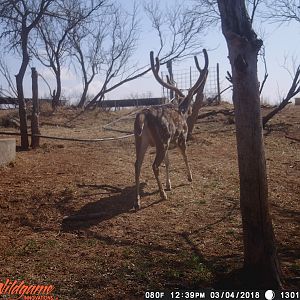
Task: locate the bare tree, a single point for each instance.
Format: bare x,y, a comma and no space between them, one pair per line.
6,73
283,11
178,33
293,91
54,32
252,8
262,54
208,10
260,252
178,30
114,44
18,19
89,58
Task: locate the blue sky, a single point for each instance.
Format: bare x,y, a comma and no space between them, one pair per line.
281,42
282,47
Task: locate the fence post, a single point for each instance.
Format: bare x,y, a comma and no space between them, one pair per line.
218,84
170,70
35,140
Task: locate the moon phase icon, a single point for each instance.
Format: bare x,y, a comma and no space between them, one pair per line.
269,295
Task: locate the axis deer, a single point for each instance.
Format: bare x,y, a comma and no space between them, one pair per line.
163,126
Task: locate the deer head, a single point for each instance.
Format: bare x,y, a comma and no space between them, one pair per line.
185,101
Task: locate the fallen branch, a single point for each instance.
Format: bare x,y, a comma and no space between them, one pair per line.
225,112
292,138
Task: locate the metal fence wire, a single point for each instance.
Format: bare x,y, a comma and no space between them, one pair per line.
185,78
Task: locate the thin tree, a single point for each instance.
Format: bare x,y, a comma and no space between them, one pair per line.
178,33
293,91
54,32
11,91
89,58
260,251
18,19
114,41
283,11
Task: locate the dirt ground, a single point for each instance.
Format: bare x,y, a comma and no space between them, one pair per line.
66,209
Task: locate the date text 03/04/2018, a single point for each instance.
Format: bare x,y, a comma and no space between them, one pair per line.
203,295
209,294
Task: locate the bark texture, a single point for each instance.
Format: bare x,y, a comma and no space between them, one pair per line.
19,83
260,252
35,140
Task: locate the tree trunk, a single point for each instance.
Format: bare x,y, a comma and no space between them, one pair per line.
56,96
20,91
260,252
22,113
86,82
35,140
98,97
83,96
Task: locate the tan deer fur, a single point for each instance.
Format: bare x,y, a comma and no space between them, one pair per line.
164,126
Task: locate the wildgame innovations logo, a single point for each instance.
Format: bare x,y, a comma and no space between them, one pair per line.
14,289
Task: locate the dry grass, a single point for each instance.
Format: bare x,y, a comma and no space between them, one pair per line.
187,242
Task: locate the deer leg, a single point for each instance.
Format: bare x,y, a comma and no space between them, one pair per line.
160,156
141,148
182,147
168,181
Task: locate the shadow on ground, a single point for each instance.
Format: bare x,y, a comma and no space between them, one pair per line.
119,201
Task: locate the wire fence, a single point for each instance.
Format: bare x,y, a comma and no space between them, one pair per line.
185,78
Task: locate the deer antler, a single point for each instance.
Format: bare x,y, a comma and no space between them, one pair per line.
199,83
202,77
155,70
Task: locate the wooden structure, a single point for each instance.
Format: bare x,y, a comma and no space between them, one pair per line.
105,103
7,150
14,101
132,102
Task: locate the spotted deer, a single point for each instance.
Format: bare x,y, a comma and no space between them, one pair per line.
164,126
